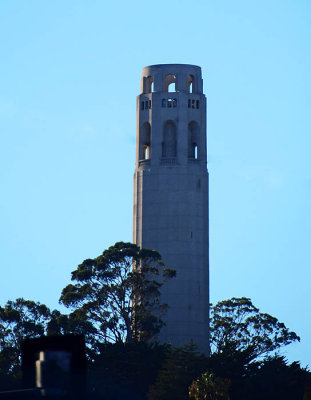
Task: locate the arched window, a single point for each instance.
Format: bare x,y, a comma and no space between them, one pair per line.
193,140
145,141
169,144
190,84
170,83
149,84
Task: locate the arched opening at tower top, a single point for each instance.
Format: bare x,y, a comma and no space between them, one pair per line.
149,84
170,83
190,84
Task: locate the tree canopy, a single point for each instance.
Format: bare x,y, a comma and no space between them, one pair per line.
119,293
115,302
19,319
269,379
180,367
209,387
238,326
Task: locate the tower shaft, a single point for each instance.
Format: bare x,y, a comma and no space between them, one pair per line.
171,194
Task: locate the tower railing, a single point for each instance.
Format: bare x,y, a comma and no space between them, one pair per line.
168,161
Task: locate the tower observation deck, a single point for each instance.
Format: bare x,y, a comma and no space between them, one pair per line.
171,194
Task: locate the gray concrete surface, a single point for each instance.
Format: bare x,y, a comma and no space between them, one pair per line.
171,194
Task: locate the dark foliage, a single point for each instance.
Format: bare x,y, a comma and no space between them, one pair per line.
273,379
18,320
270,379
239,329
241,336
126,370
181,366
117,308
118,293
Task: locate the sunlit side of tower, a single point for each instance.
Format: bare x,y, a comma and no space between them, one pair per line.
171,194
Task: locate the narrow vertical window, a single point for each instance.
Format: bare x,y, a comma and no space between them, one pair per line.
142,105
193,103
194,140
174,103
169,103
149,103
146,104
146,152
189,103
145,141
195,151
198,104
190,84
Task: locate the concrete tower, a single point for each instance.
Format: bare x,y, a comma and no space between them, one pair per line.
171,194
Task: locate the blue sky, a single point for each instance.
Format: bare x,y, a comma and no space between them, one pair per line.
69,75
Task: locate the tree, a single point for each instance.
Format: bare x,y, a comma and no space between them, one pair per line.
126,370
22,319
273,378
19,319
268,379
118,292
181,366
74,323
238,328
209,387
241,336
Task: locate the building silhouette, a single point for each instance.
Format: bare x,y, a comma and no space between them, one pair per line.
171,194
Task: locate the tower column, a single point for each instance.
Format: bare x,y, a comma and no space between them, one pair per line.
171,194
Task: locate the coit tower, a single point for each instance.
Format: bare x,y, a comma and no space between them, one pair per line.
171,194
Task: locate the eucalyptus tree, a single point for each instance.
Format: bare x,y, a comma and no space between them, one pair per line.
19,319
238,327
119,293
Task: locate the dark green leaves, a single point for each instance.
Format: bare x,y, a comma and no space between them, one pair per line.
237,325
118,293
